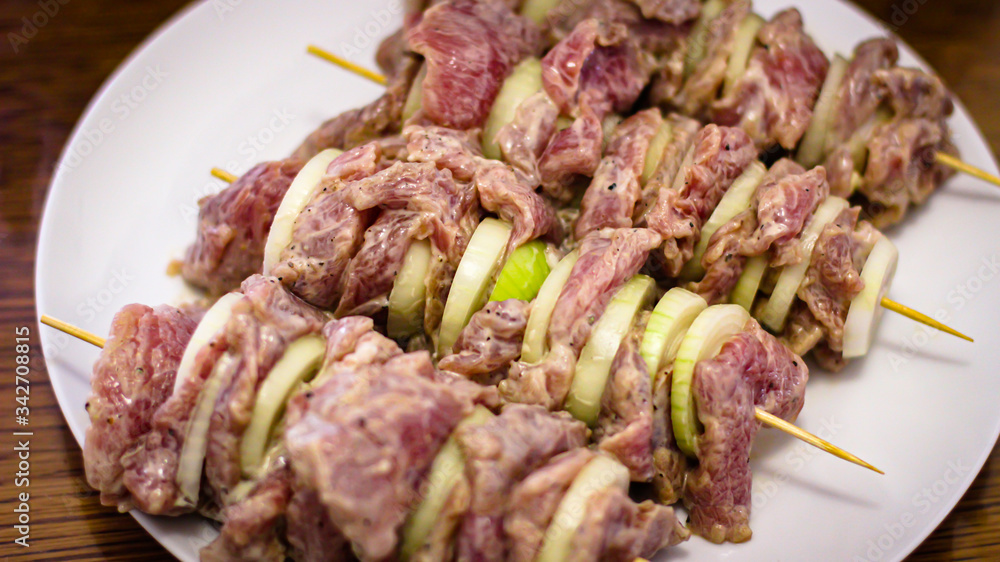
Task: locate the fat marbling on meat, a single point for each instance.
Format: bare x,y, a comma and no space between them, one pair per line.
833,278
901,169
351,344
262,324
499,454
372,271
782,204
670,11
598,68
716,158
524,139
534,501
490,342
785,201
751,370
616,529
394,418
500,189
773,100
469,48
328,232
610,200
251,528
233,226
450,206
133,376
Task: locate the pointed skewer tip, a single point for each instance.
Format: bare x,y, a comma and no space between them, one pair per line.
922,318
774,421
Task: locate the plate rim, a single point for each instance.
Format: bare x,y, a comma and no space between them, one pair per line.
59,176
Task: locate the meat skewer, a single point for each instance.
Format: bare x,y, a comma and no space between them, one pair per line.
883,301
883,190
899,308
392,395
961,166
102,411
939,157
762,416
783,357
50,322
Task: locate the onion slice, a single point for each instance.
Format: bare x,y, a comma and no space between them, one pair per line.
699,34
747,285
538,10
524,81
670,320
778,306
192,456
812,149
743,44
445,472
594,366
738,198
407,298
654,154
415,97
299,194
601,473
523,274
297,365
534,346
709,331
866,308
472,279
215,319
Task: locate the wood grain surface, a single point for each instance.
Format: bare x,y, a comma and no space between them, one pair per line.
45,85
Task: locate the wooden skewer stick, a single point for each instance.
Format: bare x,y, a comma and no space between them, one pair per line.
762,416
955,163
73,331
940,157
799,433
921,317
346,64
223,175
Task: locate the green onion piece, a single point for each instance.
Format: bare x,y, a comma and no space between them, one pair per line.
523,274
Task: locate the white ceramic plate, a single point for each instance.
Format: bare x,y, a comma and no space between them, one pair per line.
229,84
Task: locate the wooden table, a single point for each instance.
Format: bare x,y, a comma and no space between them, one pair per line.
46,84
